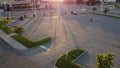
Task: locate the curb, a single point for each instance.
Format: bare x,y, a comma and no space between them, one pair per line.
103,14
13,43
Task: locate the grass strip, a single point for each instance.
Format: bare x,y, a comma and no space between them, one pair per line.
109,15
4,28
29,43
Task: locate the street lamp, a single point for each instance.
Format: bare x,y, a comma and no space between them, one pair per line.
7,7
35,8
102,5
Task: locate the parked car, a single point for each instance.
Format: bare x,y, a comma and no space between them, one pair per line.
21,18
65,12
73,12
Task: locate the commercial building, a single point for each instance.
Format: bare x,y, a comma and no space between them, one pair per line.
9,4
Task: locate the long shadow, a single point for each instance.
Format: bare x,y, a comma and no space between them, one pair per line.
32,25
54,34
26,22
73,37
64,28
81,23
4,57
8,50
83,59
50,24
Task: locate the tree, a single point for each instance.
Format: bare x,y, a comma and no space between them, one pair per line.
94,8
106,10
105,60
19,29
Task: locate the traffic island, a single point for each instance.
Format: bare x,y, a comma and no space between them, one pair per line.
67,60
3,25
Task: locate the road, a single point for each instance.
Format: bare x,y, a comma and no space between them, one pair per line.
74,31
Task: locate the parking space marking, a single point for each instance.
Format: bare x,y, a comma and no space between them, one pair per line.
45,48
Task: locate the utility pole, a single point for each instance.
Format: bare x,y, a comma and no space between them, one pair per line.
102,5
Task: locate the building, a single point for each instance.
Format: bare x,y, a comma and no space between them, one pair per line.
9,4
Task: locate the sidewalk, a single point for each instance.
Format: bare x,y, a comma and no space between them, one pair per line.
11,41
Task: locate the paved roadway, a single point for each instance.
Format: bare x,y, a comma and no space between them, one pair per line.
99,36
74,31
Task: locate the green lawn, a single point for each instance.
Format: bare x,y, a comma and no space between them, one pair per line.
29,43
66,61
3,27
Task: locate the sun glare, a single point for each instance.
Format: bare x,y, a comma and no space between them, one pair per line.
57,0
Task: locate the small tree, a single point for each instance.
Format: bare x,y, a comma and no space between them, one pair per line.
105,60
94,8
106,10
19,29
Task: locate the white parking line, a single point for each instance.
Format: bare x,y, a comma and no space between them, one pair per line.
45,48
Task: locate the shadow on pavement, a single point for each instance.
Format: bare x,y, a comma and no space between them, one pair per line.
83,59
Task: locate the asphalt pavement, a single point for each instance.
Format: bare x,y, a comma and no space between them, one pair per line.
70,31
11,58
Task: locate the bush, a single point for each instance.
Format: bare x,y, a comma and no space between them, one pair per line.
94,8
106,10
19,29
34,15
6,20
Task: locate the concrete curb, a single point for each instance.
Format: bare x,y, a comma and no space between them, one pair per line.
109,15
11,41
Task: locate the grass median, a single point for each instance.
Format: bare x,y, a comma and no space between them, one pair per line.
66,61
4,28
29,43
103,14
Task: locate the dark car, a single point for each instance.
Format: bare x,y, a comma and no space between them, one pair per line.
74,13
21,18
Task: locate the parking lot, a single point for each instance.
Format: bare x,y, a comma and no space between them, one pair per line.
70,31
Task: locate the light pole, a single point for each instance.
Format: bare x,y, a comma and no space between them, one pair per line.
7,7
35,9
102,5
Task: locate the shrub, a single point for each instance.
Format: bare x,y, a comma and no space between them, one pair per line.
106,10
94,8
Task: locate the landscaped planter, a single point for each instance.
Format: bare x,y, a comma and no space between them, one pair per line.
3,25
29,43
67,61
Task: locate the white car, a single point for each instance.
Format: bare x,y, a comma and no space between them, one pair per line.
84,10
